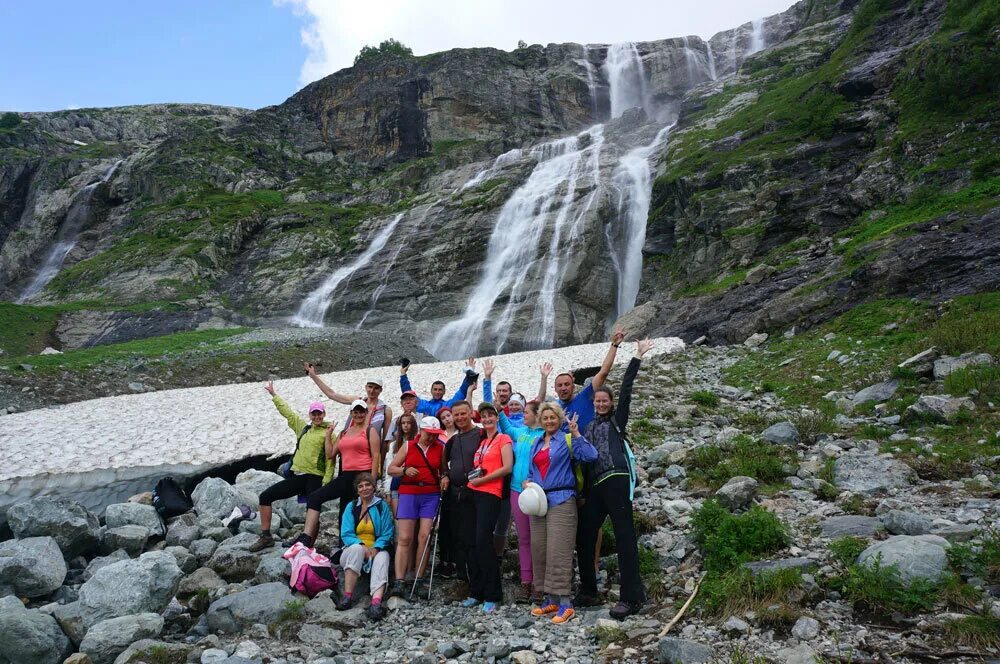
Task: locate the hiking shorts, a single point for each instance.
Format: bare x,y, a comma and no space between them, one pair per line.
417,505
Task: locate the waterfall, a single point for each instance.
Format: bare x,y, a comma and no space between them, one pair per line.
76,218
313,309
711,61
498,164
626,79
691,64
590,79
632,179
513,246
757,42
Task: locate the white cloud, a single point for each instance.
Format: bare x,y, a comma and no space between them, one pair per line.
335,30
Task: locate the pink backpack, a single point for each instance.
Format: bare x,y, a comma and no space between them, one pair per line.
312,572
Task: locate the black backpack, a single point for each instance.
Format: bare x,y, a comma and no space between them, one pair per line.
169,498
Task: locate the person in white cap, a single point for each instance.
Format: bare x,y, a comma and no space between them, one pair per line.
379,414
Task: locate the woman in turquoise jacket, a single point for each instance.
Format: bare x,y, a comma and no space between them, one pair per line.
523,437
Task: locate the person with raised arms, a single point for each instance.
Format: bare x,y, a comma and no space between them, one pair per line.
308,464
420,465
437,401
553,534
359,449
505,398
366,531
379,414
582,403
610,483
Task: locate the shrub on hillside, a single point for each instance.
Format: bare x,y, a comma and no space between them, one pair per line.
727,540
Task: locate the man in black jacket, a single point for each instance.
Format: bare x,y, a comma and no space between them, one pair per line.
459,453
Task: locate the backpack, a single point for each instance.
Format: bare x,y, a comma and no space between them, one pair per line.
285,469
312,573
577,470
169,498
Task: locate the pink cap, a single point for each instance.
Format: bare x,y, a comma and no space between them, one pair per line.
317,405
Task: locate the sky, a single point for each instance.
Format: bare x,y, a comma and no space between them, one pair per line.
61,54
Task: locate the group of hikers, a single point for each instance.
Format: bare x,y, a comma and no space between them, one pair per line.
558,468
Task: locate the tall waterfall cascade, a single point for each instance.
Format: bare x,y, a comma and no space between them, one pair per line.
626,79
312,311
591,86
76,218
757,42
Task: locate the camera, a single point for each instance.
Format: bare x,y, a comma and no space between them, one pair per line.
404,362
474,474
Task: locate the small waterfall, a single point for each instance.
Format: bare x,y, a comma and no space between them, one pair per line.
76,218
312,311
757,42
632,178
590,79
498,164
711,61
691,64
626,79
514,243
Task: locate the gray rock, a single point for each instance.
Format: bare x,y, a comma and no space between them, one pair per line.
782,433
135,514
947,365
850,525
272,567
70,619
737,493
860,473
109,638
921,363
203,549
671,650
805,628
187,562
766,566
755,340
735,625
217,497
180,533
674,473
800,654
202,578
234,564
130,538
877,392
259,604
954,532
75,529
916,557
32,567
324,640
30,636
103,561
659,455
899,522
940,408
145,650
144,585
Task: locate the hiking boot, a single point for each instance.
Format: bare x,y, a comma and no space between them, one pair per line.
446,570
586,599
345,603
565,614
303,539
537,597
375,612
623,610
422,590
397,588
543,610
263,542
523,595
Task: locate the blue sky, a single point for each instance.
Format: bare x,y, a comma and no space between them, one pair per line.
59,54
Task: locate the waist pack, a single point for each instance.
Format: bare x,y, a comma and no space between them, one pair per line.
169,498
312,572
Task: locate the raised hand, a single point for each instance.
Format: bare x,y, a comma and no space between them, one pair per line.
310,369
643,346
574,428
471,363
269,387
488,368
545,369
618,335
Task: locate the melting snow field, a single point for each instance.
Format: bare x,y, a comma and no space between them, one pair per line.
103,450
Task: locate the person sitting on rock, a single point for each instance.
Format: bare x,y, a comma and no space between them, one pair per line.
359,449
582,403
437,401
379,414
308,465
553,535
366,532
419,464
610,483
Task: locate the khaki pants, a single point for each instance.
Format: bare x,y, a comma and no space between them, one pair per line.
552,539
353,558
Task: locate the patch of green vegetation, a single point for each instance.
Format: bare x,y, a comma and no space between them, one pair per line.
221,207
727,540
9,120
970,323
643,432
979,632
444,146
714,465
171,344
705,398
388,48
985,379
162,655
738,591
847,549
720,285
608,635
743,231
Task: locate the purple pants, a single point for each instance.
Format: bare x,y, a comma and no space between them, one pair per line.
522,525
417,505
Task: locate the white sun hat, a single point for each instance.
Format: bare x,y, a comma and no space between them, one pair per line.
532,500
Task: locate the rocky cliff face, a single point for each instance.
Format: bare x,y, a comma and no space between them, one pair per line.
492,200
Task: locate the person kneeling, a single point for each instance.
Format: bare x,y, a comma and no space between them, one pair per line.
366,531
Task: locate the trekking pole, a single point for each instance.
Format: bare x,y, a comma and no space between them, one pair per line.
427,548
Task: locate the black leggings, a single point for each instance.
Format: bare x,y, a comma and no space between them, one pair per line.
484,570
341,486
610,498
296,485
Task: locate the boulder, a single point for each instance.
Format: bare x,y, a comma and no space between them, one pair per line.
202,578
217,497
109,638
135,514
947,365
74,528
755,340
234,564
921,363
672,650
70,619
272,567
259,604
759,567
940,408
103,561
878,392
185,560
800,654
805,629
915,556
202,549
182,533
130,538
866,474
850,525
32,567
150,650
28,635
660,455
737,493
899,522
782,433
144,585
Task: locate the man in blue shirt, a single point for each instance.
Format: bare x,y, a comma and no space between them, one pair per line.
437,401
582,403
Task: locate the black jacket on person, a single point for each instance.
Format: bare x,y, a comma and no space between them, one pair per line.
616,445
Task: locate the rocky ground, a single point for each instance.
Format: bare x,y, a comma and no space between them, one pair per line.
861,526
